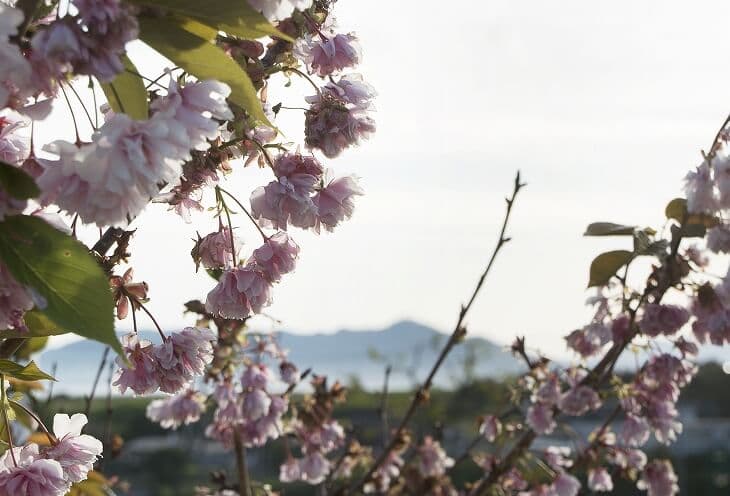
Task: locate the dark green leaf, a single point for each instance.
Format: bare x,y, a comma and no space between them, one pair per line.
605,266
126,93
608,229
17,183
28,372
236,18
61,270
203,60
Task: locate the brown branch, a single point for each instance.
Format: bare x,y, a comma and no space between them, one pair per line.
456,336
241,465
90,398
383,408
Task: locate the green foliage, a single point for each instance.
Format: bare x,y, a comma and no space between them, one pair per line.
231,16
605,266
28,372
126,93
64,274
202,59
31,346
693,225
17,183
608,229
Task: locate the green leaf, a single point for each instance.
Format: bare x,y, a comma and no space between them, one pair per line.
605,266
29,372
31,346
17,183
203,60
126,93
608,229
676,209
236,17
38,325
60,270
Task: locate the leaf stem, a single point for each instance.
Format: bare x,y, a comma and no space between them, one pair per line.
258,228
3,401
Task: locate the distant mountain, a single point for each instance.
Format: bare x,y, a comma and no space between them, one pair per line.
409,347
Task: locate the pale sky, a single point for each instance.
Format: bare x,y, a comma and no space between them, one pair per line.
603,106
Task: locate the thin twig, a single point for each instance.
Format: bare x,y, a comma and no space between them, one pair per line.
244,211
90,398
241,465
384,406
456,336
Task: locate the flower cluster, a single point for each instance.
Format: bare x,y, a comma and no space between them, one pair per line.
110,180
182,409
50,471
170,366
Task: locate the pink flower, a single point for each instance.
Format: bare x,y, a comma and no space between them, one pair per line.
621,328
182,357
328,53
14,68
659,479
289,373
721,169
558,457
589,340
141,377
256,404
579,400
540,418
335,202
14,148
565,485
490,427
550,390
255,376
338,117
290,471
15,300
240,292
662,319
214,250
700,190
718,239
191,112
599,480
635,431
314,468
432,459
182,409
34,475
76,452
302,172
388,470
278,204
277,256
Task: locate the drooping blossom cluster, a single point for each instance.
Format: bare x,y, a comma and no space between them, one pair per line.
326,52
90,42
181,409
51,470
317,433
339,116
88,180
170,366
247,409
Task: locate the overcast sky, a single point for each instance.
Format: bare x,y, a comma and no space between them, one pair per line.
603,106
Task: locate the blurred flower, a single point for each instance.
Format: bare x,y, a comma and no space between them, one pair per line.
182,409
659,479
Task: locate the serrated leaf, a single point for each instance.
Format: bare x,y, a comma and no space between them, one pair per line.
61,270
203,60
605,266
236,18
17,183
126,92
28,372
608,229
